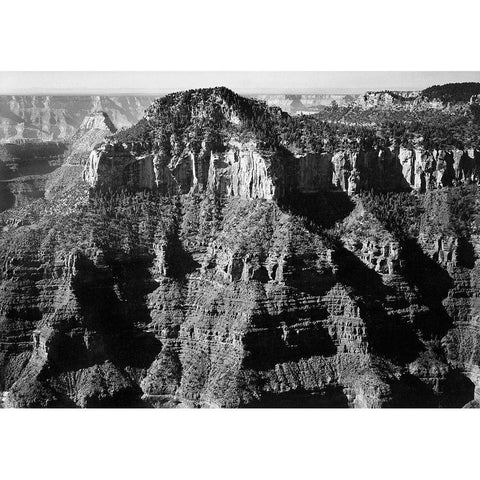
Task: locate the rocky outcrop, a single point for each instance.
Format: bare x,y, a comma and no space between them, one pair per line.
429,169
238,169
241,157
32,170
241,169
388,99
92,132
404,168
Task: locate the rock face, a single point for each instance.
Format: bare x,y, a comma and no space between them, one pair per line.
93,130
404,168
232,302
426,170
241,169
211,266
57,118
228,157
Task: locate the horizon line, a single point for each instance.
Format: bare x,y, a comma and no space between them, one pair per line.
242,82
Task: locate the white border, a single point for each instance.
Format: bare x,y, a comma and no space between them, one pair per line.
247,35
228,444
240,35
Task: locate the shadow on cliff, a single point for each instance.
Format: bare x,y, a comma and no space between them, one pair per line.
7,199
329,397
389,335
179,261
409,391
465,253
433,282
112,318
282,338
321,210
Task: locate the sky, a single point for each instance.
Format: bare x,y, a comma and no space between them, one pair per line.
116,82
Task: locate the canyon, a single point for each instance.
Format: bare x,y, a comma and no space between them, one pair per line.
37,132
56,118
201,258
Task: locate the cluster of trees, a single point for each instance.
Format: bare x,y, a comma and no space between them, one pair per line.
453,211
399,212
201,217
194,116
141,132
202,116
120,219
429,128
452,92
313,134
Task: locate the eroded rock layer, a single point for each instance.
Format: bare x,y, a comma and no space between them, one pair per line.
210,301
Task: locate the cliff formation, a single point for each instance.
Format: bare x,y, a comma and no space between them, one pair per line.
212,147
92,132
228,146
206,268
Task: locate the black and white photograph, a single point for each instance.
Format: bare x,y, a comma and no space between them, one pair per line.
199,248
213,248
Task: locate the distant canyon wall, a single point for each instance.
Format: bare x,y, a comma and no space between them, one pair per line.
23,170
56,118
409,100
31,170
305,103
